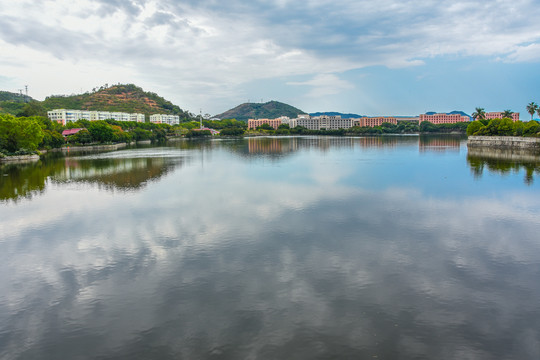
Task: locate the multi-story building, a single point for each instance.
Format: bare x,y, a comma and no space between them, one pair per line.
499,115
374,121
286,120
64,116
443,118
254,123
291,122
327,122
407,119
311,123
165,119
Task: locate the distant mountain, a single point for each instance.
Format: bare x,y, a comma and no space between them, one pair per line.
122,97
270,110
333,113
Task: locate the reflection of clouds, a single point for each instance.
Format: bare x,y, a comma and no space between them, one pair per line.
210,261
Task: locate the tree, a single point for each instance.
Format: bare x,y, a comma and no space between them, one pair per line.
33,108
479,114
265,126
531,108
507,114
506,127
427,126
82,137
141,134
531,128
51,140
101,131
473,127
19,134
198,133
235,131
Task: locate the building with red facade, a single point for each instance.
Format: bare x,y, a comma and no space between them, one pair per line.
254,123
499,115
375,121
443,118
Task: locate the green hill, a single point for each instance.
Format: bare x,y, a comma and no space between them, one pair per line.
17,98
270,110
122,97
12,103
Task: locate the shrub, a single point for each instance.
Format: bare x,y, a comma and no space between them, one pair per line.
473,127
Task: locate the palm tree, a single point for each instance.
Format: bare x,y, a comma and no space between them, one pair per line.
507,114
531,108
479,114
538,111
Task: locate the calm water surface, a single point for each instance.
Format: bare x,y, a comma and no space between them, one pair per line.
272,248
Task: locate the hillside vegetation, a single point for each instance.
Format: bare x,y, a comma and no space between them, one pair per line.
269,110
13,103
125,98
18,98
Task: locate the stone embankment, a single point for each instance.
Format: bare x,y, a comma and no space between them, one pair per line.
94,147
19,159
504,142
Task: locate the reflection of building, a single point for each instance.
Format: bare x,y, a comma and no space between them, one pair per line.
375,121
265,146
165,119
443,118
499,115
64,116
272,146
254,123
430,143
380,142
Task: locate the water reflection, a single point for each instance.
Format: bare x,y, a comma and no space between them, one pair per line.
504,162
440,143
112,171
219,263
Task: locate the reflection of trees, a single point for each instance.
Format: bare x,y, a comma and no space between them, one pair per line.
121,173
504,161
439,143
19,181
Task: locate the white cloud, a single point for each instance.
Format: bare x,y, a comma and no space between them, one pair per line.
324,84
199,52
527,53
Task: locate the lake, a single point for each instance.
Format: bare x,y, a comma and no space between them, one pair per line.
398,247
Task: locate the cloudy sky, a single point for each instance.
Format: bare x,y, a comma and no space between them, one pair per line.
386,57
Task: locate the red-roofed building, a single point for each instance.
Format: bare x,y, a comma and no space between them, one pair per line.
68,132
212,131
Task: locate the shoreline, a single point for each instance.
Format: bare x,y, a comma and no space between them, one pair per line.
19,158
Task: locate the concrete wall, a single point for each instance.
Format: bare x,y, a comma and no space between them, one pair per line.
504,142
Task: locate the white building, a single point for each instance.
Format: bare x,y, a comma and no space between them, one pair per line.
324,122
286,120
165,119
64,116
